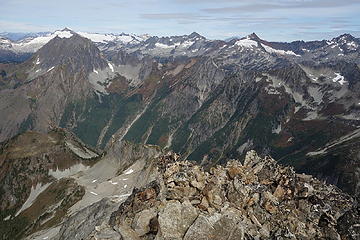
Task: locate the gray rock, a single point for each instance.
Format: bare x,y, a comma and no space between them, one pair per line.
224,225
142,220
83,223
175,219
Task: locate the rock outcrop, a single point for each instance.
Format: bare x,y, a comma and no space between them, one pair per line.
258,199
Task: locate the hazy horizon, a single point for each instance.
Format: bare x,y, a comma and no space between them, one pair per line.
273,20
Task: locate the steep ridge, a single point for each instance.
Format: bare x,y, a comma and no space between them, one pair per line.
46,178
34,188
140,191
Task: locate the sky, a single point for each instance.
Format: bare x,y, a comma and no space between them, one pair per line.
273,20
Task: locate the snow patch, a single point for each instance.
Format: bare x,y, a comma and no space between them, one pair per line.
277,51
64,34
95,71
50,69
104,38
352,45
312,77
248,43
161,45
119,198
129,171
187,44
96,37
276,130
339,79
111,67
113,183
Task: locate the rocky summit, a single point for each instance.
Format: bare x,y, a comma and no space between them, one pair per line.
258,199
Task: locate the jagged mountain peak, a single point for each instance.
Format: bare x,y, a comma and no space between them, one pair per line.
345,43
70,48
345,36
67,29
253,36
196,35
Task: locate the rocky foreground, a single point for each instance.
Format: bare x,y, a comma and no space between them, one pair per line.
137,191
258,199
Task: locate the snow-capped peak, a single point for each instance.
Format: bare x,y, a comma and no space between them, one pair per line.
246,42
66,33
32,44
97,37
121,38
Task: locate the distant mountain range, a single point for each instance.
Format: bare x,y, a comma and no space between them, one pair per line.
210,100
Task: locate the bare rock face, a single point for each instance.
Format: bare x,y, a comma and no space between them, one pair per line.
86,220
255,200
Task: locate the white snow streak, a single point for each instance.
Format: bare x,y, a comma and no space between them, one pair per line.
111,67
129,171
282,52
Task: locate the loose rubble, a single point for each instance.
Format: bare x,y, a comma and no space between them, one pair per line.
258,199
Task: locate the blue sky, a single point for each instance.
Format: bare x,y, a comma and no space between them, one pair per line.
276,20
